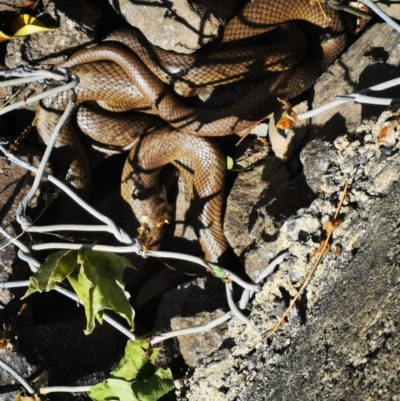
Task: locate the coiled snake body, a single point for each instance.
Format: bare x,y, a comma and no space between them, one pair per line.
126,73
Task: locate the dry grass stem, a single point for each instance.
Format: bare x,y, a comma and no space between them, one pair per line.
320,252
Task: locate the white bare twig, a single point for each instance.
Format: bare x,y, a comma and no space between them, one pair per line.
355,97
38,75
382,14
28,197
247,293
120,234
41,96
232,305
14,284
64,389
192,330
17,376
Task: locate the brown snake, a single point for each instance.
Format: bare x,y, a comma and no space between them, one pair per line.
123,76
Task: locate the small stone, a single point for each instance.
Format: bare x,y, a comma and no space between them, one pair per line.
196,346
179,25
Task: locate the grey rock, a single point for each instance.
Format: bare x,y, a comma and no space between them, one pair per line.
17,6
390,7
190,304
178,25
195,347
372,59
75,27
316,157
207,291
260,201
260,183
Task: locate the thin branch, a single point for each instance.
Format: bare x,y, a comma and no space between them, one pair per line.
247,293
192,330
234,309
120,234
17,376
352,97
64,389
40,96
14,284
45,159
382,14
321,254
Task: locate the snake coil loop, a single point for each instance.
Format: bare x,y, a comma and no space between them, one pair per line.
119,77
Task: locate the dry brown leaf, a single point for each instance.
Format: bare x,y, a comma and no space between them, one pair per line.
289,116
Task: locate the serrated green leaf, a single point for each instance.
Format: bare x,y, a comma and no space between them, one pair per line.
137,354
98,283
96,278
83,288
112,389
53,271
158,384
64,267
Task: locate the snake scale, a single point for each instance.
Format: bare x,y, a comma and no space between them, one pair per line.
125,73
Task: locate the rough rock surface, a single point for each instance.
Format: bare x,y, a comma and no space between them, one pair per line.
75,27
196,347
342,339
16,6
390,7
378,58
7,382
178,25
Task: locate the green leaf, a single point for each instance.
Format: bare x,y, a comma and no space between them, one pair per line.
135,378
137,354
96,278
52,272
112,389
97,282
231,165
160,383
